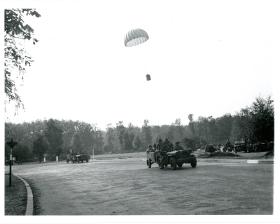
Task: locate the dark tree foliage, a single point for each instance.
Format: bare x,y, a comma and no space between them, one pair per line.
224,127
242,126
98,142
120,132
16,57
22,153
85,134
77,146
262,112
128,141
170,133
190,143
110,140
54,137
138,145
40,147
69,131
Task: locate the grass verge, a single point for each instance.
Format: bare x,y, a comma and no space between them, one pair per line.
15,197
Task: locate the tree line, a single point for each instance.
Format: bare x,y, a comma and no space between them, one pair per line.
53,138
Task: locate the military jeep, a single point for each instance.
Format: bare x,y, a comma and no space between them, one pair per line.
78,158
174,158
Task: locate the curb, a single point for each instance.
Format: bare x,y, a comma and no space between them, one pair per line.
260,161
29,204
248,161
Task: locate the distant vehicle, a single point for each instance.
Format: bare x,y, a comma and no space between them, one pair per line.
240,146
228,147
270,146
78,158
174,158
260,147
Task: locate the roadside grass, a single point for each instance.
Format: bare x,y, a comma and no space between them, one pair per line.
15,197
240,155
253,155
120,156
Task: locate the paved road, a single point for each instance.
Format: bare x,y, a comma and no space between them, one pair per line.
128,187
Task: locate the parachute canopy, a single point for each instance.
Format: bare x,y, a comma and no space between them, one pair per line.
135,37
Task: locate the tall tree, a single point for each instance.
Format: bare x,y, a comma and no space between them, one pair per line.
121,131
54,137
87,137
242,126
22,153
224,127
212,129
40,147
77,145
98,142
138,143
262,112
191,124
179,130
16,57
147,133
128,140
110,140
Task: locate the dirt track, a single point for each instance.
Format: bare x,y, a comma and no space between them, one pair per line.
128,187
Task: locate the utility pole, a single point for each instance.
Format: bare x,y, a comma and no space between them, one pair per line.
12,144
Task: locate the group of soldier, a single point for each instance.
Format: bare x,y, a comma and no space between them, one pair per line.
165,146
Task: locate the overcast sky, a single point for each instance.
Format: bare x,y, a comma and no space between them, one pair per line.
206,59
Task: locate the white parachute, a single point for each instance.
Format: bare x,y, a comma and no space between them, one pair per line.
135,37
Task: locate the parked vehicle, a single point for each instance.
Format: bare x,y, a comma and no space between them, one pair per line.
78,158
260,147
228,147
240,146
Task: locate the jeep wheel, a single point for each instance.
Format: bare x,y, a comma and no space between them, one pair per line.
193,164
160,163
180,165
149,163
173,163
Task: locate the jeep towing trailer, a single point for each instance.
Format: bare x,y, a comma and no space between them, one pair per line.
176,159
78,158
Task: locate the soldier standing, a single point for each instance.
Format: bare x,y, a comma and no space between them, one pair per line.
160,145
149,149
171,147
166,145
178,147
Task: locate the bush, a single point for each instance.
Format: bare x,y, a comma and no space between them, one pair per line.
210,148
